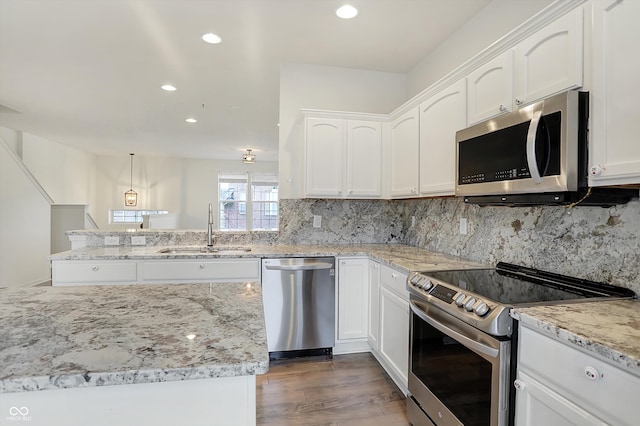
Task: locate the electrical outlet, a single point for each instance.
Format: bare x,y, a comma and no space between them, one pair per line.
463,226
138,240
111,241
317,221
413,221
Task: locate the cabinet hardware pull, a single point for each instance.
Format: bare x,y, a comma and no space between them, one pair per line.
201,266
95,268
519,385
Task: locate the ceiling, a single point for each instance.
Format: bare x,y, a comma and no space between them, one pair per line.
87,73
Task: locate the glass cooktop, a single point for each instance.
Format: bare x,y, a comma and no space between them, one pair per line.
513,285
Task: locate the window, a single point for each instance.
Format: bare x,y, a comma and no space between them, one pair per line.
132,216
248,201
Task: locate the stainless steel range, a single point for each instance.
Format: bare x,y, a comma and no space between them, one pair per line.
460,359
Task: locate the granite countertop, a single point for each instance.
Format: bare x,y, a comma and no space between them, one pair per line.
112,335
405,258
610,330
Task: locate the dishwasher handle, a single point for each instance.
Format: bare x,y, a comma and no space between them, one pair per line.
300,266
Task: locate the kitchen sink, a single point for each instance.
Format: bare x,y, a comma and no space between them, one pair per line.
205,250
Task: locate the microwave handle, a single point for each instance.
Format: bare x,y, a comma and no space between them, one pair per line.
531,148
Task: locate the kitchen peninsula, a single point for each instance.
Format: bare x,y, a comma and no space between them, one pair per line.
160,354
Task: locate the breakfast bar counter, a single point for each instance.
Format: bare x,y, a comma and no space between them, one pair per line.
138,354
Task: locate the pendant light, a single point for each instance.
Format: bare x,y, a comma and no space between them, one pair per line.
131,196
248,157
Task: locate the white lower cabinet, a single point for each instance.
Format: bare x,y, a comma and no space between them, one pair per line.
394,325
78,272
373,334
537,404
97,272
353,303
560,385
194,270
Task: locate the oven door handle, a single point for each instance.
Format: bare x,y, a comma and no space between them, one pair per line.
465,340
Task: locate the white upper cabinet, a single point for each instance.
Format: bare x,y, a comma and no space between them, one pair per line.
551,60
324,156
615,98
490,89
405,143
441,116
364,159
343,158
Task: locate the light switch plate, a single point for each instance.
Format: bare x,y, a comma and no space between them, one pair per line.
138,240
317,221
111,241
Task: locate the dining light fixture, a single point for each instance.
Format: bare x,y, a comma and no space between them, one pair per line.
248,157
131,196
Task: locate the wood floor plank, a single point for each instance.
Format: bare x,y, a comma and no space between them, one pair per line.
348,390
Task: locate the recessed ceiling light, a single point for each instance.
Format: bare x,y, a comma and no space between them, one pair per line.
212,38
191,120
168,88
347,12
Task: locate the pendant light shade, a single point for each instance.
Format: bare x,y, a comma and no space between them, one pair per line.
131,196
248,157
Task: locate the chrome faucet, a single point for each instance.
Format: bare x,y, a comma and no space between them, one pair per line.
210,228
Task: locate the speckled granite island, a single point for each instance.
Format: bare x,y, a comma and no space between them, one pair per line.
131,355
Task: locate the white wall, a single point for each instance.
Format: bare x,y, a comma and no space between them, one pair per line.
24,227
13,138
493,22
66,173
179,185
329,88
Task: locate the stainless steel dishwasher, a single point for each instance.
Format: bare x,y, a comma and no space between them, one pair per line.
299,303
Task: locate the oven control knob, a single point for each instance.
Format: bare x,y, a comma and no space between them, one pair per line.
468,305
415,279
459,299
427,284
481,309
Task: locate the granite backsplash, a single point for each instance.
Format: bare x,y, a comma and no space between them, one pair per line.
600,244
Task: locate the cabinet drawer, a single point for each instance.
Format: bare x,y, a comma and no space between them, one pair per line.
611,395
80,271
394,281
200,269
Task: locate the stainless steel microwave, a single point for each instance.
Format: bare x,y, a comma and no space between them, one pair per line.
537,155
531,150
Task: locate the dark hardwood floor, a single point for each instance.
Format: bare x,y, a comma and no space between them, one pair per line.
348,390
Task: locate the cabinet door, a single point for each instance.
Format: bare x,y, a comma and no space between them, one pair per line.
405,142
394,333
364,158
602,389
353,307
440,118
615,151
373,334
490,89
324,152
550,61
536,405
217,270
81,272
